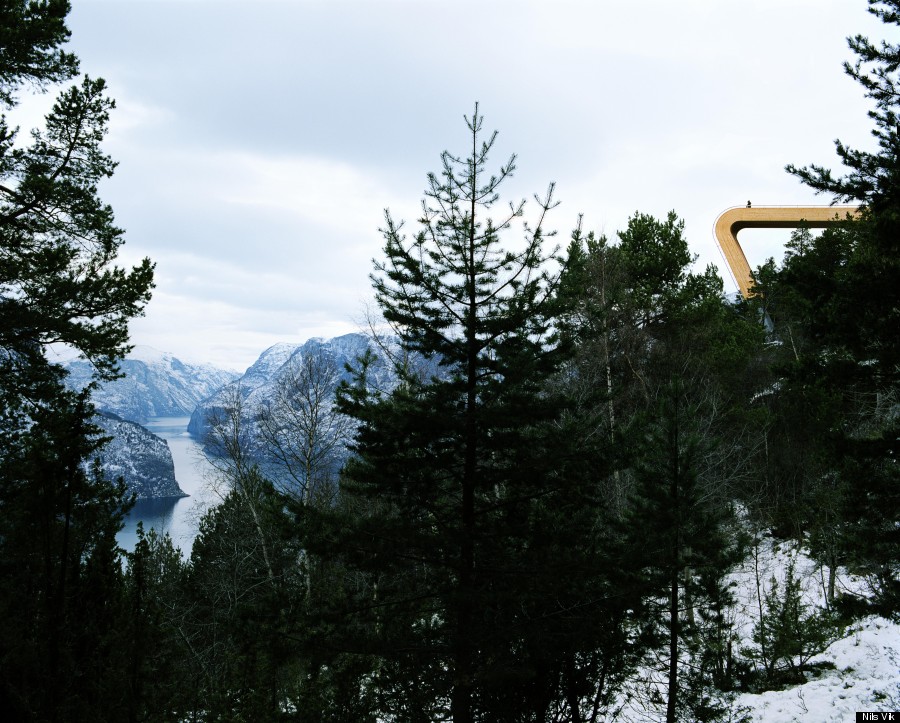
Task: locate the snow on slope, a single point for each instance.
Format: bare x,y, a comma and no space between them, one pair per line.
259,381
866,674
866,678
156,384
140,457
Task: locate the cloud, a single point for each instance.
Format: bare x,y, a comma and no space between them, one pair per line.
259,143
204,310
132,116
319,191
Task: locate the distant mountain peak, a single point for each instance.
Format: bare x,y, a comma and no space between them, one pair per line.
155,384
148,354
260,380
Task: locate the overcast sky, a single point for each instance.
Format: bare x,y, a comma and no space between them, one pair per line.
260,141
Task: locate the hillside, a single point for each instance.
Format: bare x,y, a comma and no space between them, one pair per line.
140,457
858,671
258,384
156,384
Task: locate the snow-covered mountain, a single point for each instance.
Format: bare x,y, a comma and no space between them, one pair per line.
275,384
156,384
139,456
259,381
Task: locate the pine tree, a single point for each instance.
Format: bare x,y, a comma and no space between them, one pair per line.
788,635
452,527
61,655
241,584
62,598
160,664
671,356
32,35
58,281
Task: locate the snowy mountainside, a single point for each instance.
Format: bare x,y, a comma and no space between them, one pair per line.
259,381
137,455
866,677
156,384
276,379
866,661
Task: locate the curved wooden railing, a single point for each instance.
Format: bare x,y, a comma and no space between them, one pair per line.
733,220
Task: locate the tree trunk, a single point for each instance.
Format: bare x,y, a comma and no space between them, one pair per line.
461,697
676,558
571,693
832,577
673,647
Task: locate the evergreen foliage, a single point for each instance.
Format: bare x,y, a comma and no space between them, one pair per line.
63,652
788,635
544,505
672,359
159,662
30,53
835,306
471,518
241,591
60,647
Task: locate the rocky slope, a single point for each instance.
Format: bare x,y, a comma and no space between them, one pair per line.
259,382
156,384
137,455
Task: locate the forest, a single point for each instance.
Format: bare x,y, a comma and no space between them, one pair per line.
580,441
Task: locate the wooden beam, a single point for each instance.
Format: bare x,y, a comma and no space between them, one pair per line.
738,218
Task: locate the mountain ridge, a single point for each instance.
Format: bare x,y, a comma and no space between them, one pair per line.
155,384
139,457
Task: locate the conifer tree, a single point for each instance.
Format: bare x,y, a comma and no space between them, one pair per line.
161,668
62,598
843,290
452,488
239,591
61,655
671,356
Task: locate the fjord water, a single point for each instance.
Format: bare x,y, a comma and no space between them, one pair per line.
178,517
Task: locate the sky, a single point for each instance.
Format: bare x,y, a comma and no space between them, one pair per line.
259,143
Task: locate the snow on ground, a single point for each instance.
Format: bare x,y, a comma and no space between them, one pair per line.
866,678
866,674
